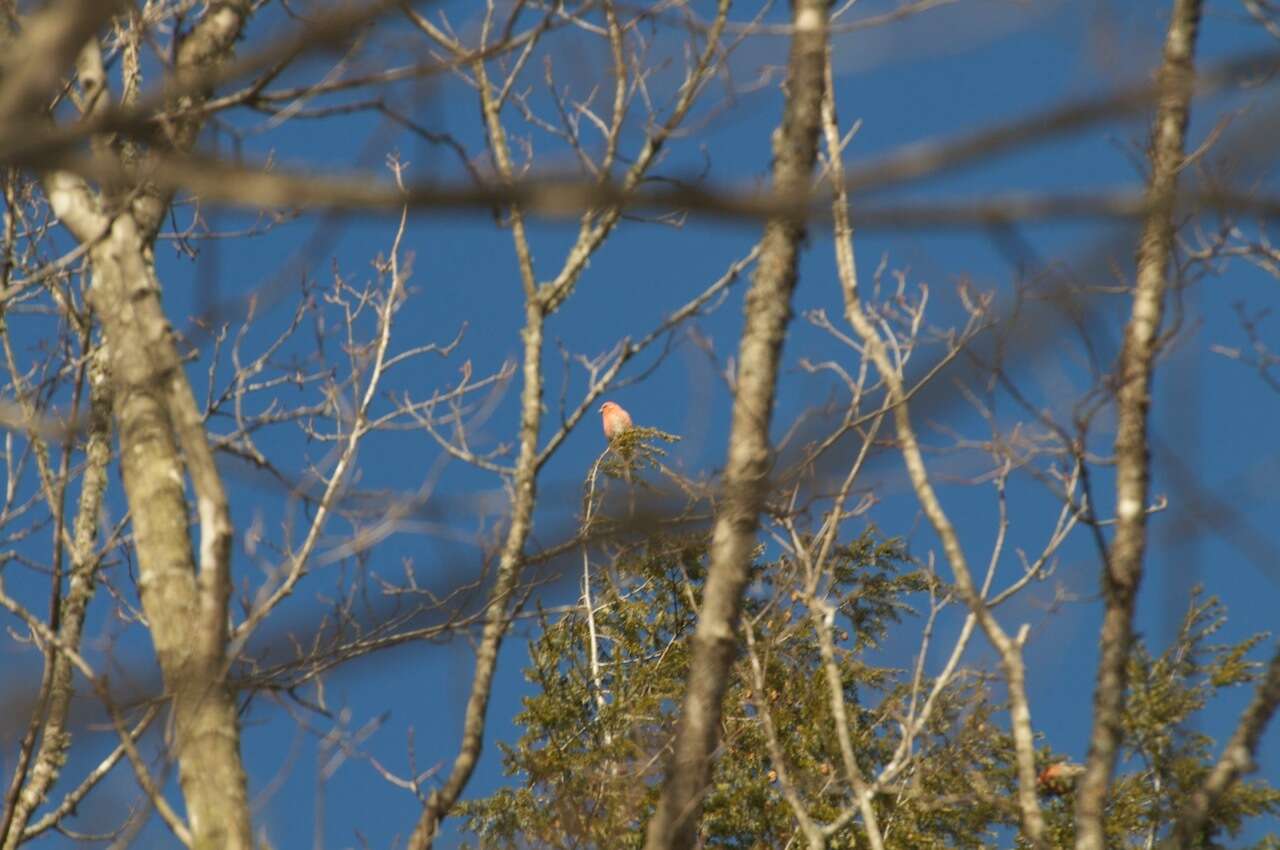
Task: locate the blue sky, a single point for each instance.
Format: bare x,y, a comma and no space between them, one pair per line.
953,69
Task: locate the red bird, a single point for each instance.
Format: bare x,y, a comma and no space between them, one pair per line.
1059,778
614,419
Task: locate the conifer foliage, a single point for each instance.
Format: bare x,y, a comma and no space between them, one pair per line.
585,770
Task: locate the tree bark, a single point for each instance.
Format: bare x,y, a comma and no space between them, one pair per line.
186,608
161,437
768,311
1122,573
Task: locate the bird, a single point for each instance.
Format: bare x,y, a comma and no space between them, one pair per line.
1059,778
614,419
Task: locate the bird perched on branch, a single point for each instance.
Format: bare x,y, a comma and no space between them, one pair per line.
614,419
1059,778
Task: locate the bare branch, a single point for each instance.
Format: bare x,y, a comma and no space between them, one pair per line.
1237,759
56,738
1010,649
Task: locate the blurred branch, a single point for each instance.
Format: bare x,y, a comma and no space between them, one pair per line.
196,74
220,182
32,71
931,158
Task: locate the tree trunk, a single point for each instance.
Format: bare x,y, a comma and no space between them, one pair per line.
768,309
186,611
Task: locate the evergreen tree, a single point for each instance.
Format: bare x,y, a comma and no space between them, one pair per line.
586,768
